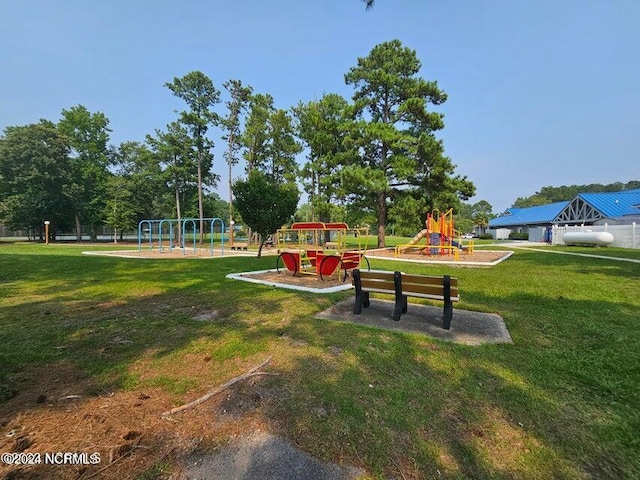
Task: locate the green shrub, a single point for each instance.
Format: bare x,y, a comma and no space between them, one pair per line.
519,236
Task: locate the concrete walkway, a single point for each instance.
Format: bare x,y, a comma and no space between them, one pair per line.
262,456
531,246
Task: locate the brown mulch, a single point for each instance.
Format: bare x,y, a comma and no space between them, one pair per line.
481,256
176,253
56,408
303,280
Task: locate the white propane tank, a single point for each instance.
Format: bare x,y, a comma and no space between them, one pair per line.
600,239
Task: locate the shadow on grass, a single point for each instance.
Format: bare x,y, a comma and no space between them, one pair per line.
72,308
400,402
559,403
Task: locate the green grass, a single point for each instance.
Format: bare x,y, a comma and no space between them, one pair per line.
562,401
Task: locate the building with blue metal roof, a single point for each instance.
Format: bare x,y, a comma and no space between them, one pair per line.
611,208
532,216
597,208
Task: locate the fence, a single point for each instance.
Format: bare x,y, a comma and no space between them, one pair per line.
104,234
624,236
14,235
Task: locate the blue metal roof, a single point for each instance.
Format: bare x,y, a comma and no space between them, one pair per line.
614,204
526,216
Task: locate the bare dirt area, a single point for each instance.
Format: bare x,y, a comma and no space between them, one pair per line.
477,257
121,434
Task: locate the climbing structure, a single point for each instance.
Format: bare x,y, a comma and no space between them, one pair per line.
323,249
440,234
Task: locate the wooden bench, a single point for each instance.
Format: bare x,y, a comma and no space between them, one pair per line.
239,246
404,285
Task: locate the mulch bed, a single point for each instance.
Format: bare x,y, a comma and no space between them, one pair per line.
303,280
481,256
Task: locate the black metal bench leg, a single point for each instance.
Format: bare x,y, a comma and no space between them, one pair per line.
401,300
365,301
447,313
401,307
357,283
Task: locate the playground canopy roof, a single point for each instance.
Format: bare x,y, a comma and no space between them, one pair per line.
584,208
318,226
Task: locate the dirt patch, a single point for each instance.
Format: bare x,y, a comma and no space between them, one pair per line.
56,408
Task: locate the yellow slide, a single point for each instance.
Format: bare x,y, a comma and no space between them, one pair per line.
417,238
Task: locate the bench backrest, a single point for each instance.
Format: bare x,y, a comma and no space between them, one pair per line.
428,286
414,285
381,282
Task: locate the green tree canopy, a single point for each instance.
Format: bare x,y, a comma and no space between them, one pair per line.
175,152
200,95
141,176
255,138
231,124
120,213
565,193
264,205
35,175
88,135
321,126
393,133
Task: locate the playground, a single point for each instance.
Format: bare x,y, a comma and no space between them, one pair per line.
321,249
95,351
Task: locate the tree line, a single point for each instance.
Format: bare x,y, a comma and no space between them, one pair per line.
374,159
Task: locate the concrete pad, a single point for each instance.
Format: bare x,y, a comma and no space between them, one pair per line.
468,328
266,457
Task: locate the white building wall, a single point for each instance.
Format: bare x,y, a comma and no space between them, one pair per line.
624,236
536,234
499,233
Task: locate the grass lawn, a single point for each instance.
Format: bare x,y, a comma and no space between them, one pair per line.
562,401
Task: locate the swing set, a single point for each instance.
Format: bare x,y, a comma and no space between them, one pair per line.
161,234
322,249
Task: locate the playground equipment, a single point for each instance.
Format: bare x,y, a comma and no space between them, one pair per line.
164,230
317,248
439,234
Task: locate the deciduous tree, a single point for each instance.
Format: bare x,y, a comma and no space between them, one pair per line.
175,152
481,213
120,213
88,135
138,182
35,174
264,205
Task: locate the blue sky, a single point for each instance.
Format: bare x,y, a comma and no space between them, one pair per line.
541,92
